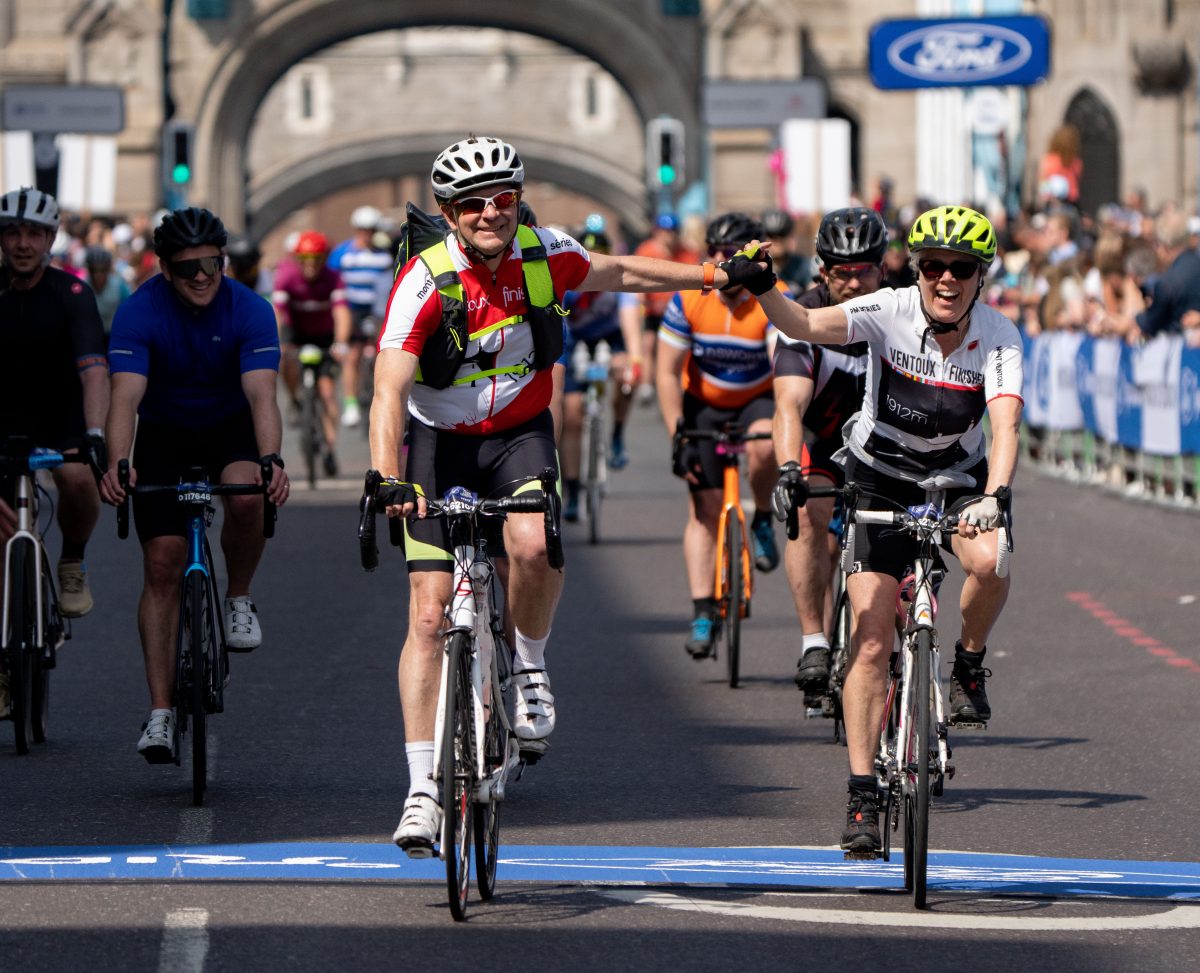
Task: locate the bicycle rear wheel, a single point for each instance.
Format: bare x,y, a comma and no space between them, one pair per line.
595,476
916,801
839,660
458,765
199,633
20,651
735,598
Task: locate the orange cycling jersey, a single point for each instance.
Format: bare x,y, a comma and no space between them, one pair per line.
729,362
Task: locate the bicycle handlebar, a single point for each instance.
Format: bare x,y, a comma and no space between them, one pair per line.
905,520
197,489
546,502
19,454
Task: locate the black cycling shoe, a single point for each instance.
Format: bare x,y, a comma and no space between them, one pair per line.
331,464
968,697
861,837
704,633
812,671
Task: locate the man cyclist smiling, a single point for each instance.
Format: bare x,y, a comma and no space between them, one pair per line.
939,361
194,358
465,362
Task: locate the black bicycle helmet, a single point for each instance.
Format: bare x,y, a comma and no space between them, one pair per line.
733,229
525,214
777,223
243,252
596,240
191,227
852,236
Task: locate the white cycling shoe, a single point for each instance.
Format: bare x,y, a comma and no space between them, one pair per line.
535,705
420,825
242,631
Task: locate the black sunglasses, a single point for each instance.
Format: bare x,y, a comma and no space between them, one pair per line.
190,269
960,269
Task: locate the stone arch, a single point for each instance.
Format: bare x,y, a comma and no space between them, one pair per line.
278,194
1099,147
629,38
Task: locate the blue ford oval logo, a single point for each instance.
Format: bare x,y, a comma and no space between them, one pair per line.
959,52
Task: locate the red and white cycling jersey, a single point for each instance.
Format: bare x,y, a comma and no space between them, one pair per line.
499,336
922,412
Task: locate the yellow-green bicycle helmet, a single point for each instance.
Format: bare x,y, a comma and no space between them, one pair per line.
954,228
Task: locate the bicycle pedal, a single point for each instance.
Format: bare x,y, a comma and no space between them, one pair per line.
968,724
533,750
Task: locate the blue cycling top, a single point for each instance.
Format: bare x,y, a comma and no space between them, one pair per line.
193,358
361,269
594,315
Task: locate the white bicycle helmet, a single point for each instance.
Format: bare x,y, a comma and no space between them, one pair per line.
475,161
27,205
365,218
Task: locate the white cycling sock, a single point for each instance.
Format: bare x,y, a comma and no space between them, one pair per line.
531,653
420,768
815,641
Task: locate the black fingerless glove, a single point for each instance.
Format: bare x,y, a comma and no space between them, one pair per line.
787,489
685,456
99,450
755,271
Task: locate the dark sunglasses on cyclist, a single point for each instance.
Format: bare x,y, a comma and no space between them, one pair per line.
190,269
724,252
845,272
477,204
960,269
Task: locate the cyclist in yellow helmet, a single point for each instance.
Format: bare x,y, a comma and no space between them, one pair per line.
939,362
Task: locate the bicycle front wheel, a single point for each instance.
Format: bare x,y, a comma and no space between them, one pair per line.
458,772
487,812
735,598
595,476
199,633
20,653
311,435
916,818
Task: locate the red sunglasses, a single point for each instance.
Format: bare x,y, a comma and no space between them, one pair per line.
477,204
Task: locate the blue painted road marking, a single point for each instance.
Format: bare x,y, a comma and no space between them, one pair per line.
786,867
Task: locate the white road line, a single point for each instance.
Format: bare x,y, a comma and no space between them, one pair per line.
1178,917
184,944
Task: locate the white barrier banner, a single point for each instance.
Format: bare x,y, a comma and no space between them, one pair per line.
1156,367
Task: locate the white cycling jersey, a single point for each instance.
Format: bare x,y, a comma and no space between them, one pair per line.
922,411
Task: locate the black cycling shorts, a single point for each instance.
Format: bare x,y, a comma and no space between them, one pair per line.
166,454
886,550
492,466
699,415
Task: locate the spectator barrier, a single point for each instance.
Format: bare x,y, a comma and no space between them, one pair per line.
1101,411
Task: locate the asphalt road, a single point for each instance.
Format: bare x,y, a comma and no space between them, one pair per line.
1090,755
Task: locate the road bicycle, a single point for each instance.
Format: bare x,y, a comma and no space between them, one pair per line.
33,627
734,585
201,654
315,362
913,763
475,748
593,372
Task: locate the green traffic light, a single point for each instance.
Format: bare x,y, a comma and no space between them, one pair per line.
666,175
181,173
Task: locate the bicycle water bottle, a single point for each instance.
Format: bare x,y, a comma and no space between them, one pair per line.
579,362
603,353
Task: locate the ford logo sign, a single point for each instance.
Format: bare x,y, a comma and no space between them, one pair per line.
959,52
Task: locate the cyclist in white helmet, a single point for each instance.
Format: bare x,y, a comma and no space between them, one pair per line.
361,265
55,387
477,415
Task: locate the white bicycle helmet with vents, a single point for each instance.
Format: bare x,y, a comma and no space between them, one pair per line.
475,161
365,218
27,205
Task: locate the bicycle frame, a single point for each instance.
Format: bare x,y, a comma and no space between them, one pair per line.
469,612
731,506
26,510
